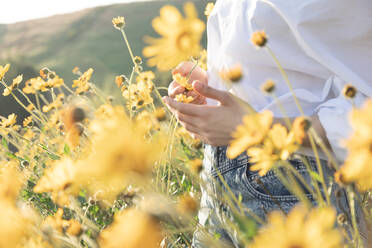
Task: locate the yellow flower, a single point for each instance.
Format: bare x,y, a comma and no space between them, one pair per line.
128,157
183,81
29,134
74,227
187,204
196,165
160,114
208,9
183,98
132,229
13,86
4,70
183,134
27,121
138,95
278,145
14,224
118,22
57,179
10,181
10,121
82,84
357,166
233,74
30,107
58,102
251,132
259,38
32,85
302,228
146,78
180,37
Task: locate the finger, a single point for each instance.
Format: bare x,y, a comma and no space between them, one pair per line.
183,68
188,109
189,119
203,89
198,99
190,128
174,91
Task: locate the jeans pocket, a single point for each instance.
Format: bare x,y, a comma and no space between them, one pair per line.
270,188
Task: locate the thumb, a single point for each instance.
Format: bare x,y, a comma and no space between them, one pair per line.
207,91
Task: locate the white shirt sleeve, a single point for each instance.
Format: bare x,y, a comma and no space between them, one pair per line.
333,116
337,34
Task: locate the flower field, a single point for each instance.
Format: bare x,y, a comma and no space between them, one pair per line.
86,169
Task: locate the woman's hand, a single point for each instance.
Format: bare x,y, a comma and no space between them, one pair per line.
211,124
198,73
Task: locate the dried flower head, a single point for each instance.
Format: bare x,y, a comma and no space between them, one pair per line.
349,91
120,80
118,22
44,72
138,60
300,126
268,87
233,74
259,38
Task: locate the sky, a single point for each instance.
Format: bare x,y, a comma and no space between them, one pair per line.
21,10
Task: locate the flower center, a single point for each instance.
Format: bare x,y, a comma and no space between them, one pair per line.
184,41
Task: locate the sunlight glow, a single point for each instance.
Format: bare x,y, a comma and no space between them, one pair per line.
22,10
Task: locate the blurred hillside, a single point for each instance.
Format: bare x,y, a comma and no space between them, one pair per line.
84,39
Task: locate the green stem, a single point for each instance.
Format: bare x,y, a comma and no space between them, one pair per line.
356,236
286,79
128,46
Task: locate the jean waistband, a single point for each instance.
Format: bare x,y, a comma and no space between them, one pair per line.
216,161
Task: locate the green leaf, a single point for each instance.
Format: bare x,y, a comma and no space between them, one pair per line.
4,142
11,155
53,156
315,176
67,150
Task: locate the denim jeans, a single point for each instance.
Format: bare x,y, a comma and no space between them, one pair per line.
259,195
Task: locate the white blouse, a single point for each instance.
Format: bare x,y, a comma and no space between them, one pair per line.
322,45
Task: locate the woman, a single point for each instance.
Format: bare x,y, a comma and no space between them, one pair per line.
322,45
